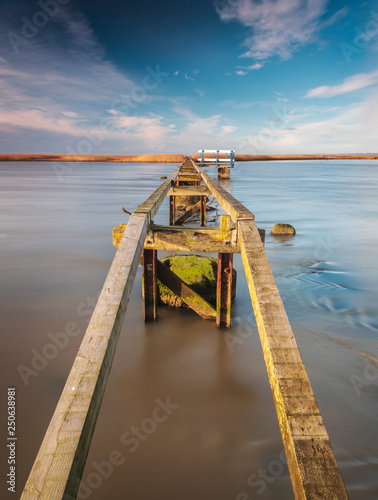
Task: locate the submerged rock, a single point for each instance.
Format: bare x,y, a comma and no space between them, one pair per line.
282,229
197,271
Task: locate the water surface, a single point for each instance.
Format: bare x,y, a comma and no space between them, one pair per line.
220,440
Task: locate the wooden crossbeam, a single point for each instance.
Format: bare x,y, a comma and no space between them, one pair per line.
182,290
191,210
189,191
187,239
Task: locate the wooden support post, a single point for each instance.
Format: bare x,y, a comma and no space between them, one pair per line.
172,210
203,210
150,288
223,173
224,289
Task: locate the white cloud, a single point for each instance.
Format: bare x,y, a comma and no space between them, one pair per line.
277,27
241,73
351,130
355,82
228,129
143,130
187,77
60,87
255,66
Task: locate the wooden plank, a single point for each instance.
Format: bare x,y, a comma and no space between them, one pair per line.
230,205
189,296
153,203
188,191
224,290
59,465
312,465
150,288
191,210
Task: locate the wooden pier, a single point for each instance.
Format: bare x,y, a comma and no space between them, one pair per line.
59,465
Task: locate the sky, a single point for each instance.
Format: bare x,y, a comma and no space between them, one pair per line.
256,76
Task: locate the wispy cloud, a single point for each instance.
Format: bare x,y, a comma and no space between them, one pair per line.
355,82
277,27
349,130
61,87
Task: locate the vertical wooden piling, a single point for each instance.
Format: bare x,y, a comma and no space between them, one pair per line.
150,288
203,210
224,289
172,210
223,173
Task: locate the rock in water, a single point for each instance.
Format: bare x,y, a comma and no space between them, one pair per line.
197,271
282,229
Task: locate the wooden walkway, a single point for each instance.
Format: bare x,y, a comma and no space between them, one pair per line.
59,465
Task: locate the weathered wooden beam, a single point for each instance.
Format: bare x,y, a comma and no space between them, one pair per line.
150,288
188,191
230,205
203,202
59,465
224,290
153,202
191,210
312,465
187,239
189,177
189,296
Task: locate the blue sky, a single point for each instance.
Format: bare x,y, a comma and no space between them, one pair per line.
258,76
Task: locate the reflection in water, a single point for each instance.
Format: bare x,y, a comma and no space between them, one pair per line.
221,440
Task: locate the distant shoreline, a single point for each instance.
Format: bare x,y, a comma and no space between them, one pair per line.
175,158
147,158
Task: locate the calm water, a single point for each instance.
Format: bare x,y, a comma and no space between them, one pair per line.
220,439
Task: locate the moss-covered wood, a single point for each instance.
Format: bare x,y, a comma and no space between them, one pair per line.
198,272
